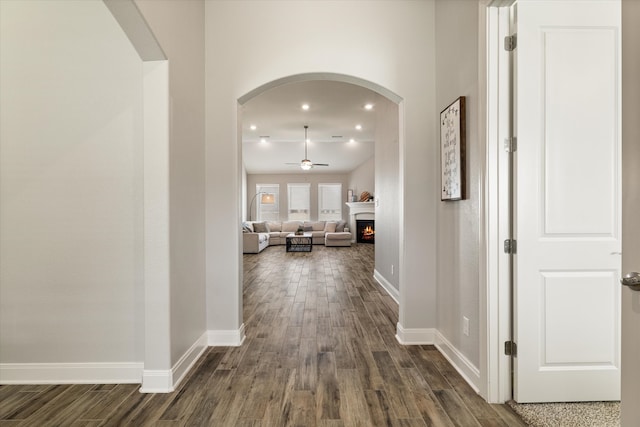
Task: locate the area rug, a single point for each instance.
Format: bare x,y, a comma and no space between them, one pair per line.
587,414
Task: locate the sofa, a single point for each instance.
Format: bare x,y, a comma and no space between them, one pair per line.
257,235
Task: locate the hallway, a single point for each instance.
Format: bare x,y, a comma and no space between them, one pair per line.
320,351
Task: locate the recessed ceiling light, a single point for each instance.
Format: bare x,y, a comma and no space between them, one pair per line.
351,141
305,107
358,127
263,140
368,107
253,127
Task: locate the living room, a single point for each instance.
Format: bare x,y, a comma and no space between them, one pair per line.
350,132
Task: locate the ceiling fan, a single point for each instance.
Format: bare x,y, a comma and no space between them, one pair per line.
306,164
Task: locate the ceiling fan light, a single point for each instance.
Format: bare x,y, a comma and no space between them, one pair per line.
305,165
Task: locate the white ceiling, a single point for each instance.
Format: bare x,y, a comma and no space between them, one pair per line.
335,109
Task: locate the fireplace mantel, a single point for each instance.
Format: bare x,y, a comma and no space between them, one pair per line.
356,208
365,209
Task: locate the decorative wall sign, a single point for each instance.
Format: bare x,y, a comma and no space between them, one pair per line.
452,151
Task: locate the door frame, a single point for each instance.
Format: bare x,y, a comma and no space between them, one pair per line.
495,284
495,126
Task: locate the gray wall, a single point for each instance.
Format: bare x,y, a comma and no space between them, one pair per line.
630,410
70,186
362,178
179,28
387,196
392,45
312,178
71,182
458,222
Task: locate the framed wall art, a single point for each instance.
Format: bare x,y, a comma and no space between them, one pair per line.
452,151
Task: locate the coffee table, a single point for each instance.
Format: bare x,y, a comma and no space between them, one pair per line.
299,242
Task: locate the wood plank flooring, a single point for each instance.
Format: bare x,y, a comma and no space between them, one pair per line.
320,351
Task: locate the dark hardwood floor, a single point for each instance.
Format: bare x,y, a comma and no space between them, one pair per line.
320,351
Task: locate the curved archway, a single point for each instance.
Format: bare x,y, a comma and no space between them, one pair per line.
389,95
336,77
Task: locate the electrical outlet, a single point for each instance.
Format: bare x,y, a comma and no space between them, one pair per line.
392,269
465,326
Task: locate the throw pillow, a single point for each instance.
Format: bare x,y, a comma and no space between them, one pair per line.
274,226
290,226
340,226
307,227
247,227
317,225
260,227
330,227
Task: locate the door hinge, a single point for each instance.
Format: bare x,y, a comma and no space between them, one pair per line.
510,348
510,246
510,144
510,42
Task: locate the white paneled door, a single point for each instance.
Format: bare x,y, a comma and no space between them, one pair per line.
567,215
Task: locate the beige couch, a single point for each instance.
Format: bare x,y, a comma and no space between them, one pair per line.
258,235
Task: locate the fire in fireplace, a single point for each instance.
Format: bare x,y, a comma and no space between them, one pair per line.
366,231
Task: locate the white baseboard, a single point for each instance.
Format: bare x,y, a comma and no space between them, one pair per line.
153,380
71,373
227,338
188,359
469,372
391,290
157,381
166,381
415,336
427,336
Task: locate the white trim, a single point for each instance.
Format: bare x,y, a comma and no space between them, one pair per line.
465,368
227,338
417,336
486,102
137,29
157,274
402,289
157,381
166,381
495,379
387,286
459,361
188,359
71,373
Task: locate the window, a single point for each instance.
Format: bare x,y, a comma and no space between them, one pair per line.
299,201
268,203
329,202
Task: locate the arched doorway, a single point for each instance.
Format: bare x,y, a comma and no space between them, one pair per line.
387,184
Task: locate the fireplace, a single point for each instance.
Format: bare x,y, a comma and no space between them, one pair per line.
366,231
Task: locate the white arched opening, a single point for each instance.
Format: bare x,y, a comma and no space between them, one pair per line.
393,99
